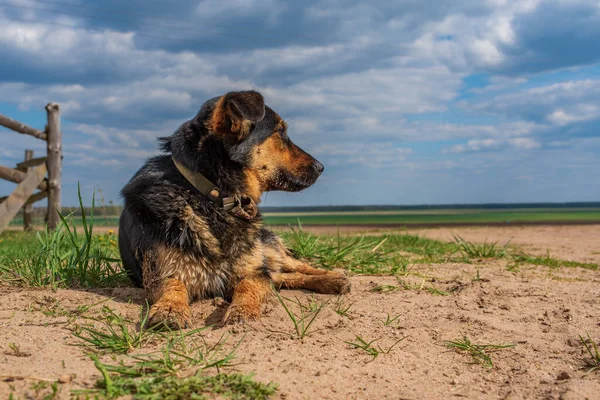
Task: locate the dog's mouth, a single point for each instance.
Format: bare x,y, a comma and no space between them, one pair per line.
289,182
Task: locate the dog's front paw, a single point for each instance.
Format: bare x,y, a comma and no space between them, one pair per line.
237,315
170,314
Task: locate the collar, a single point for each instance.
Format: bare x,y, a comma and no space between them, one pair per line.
242,206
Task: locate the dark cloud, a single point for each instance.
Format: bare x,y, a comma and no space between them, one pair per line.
554,35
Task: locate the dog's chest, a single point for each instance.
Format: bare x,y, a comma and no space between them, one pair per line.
202,278
217,258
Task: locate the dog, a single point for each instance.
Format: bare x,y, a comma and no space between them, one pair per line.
191,228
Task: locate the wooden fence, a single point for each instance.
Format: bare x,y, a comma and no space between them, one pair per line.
30,174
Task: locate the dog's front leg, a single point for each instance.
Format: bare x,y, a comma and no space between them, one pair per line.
171,306
248,296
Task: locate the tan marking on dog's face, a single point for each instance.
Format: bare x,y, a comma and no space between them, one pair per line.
253,185
278,164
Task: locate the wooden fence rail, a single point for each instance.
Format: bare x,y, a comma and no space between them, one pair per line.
30,174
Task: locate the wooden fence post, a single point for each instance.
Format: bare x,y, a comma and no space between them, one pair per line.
28,209
54,163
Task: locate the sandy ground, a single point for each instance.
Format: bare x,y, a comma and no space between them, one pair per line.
539,310
577,243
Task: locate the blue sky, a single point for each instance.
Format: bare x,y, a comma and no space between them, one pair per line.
405,102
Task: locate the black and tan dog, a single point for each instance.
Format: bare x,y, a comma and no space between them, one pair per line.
191,229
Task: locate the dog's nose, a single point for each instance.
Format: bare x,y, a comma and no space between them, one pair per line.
318,167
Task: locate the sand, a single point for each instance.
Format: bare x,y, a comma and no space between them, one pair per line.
541,311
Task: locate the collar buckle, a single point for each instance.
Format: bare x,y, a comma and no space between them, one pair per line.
229,203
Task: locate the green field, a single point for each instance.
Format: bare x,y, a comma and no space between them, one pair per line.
414,217
436,217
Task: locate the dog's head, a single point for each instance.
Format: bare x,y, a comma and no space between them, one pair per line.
256,137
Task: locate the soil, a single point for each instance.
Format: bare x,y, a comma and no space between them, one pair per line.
541,311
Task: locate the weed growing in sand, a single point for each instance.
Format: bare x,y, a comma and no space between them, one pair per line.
384,289
65,258
549,261
15,350
476,250
390,320
368,347
41,390
358,254
480,353
117,336
305,319
303,244
341,308
435,291
166,375
431,288
591,363
422,246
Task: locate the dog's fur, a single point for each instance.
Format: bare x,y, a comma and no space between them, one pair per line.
180,246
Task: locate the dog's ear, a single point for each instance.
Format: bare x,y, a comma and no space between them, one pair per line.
236,111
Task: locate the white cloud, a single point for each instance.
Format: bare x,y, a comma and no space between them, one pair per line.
480,145
577,113
524,143
372,155
560,103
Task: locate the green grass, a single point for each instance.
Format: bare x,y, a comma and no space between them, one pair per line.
167,375
479,250
65,257
480,353
151,380
389,321
441,216
342,308
369,348
592,361
464,216
551,262
180,369
305,317
116,336
359,254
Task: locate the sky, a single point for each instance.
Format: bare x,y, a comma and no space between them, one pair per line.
404,102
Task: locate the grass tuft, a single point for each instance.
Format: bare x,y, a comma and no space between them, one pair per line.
480,353
371,350
591,363
384,289
341,308
549,261
476,250
117,337
307,314
162,377
390,320
66,258
357,254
